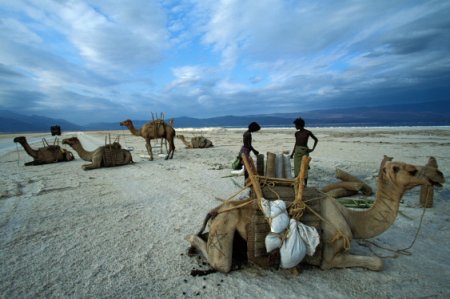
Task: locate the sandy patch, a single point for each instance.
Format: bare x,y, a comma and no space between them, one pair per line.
119,232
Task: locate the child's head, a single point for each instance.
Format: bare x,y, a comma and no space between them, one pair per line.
253,127
299,123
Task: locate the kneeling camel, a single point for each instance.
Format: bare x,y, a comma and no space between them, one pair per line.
104,156
339,227
44,155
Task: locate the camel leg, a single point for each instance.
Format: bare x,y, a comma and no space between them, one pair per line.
128,158
344,260
219,249
335,256
37,162
171,149
96,163
149,149
199,244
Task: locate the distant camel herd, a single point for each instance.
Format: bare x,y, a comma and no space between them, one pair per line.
110,154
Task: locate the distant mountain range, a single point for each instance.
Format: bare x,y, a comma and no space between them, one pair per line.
420,114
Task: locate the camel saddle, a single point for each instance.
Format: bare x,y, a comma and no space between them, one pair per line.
157,124
68,156
112,154
258,228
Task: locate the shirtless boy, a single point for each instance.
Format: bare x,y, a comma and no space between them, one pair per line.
301,144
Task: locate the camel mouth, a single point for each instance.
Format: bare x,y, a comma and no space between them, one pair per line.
435,184
18,139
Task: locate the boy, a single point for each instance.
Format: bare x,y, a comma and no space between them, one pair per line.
247,146
301,145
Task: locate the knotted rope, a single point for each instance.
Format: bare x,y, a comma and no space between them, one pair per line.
298,206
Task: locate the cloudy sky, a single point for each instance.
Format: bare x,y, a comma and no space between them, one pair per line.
89,61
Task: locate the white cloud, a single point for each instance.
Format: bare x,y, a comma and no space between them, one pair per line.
205,57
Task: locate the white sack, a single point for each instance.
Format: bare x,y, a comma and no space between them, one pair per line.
293,249
279,223
272,241
276,211
301,240
310,236
273,208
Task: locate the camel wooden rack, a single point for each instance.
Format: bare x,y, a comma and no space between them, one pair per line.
303,205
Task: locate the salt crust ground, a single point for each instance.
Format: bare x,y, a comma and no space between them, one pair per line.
119,232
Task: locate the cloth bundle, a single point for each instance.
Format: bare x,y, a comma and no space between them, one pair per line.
298,240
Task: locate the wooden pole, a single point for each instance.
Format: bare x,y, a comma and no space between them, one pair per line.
297,207
253,179
427,191
301,178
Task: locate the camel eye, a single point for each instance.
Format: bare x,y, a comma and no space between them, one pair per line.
396,169
413,172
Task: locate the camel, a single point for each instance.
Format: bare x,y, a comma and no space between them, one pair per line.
104,156
339,225
153,130
196,142
44,155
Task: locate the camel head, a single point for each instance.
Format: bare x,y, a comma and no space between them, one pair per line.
20,139
407,176
126,123
71,141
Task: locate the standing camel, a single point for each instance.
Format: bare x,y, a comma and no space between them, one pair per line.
44,155
104,156
153,130
339,224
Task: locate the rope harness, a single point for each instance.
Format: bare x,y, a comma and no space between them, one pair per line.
396,252
298,206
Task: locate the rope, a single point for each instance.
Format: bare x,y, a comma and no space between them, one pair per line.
236,207
237,193
396,252
339,234
18,154
298,206
269,185
297,209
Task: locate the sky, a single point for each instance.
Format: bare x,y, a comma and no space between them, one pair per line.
106,61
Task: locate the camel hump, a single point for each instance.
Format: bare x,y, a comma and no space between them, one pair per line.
159,127
113,155
53,148
115,145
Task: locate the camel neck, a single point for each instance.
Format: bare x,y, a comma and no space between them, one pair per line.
374,221
84,154
28,149
134,131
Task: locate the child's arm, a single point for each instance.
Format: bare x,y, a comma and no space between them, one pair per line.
315,141
295,144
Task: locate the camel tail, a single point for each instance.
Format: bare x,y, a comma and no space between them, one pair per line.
211,215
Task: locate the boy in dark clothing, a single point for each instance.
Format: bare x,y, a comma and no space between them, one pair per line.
247,140
301,145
